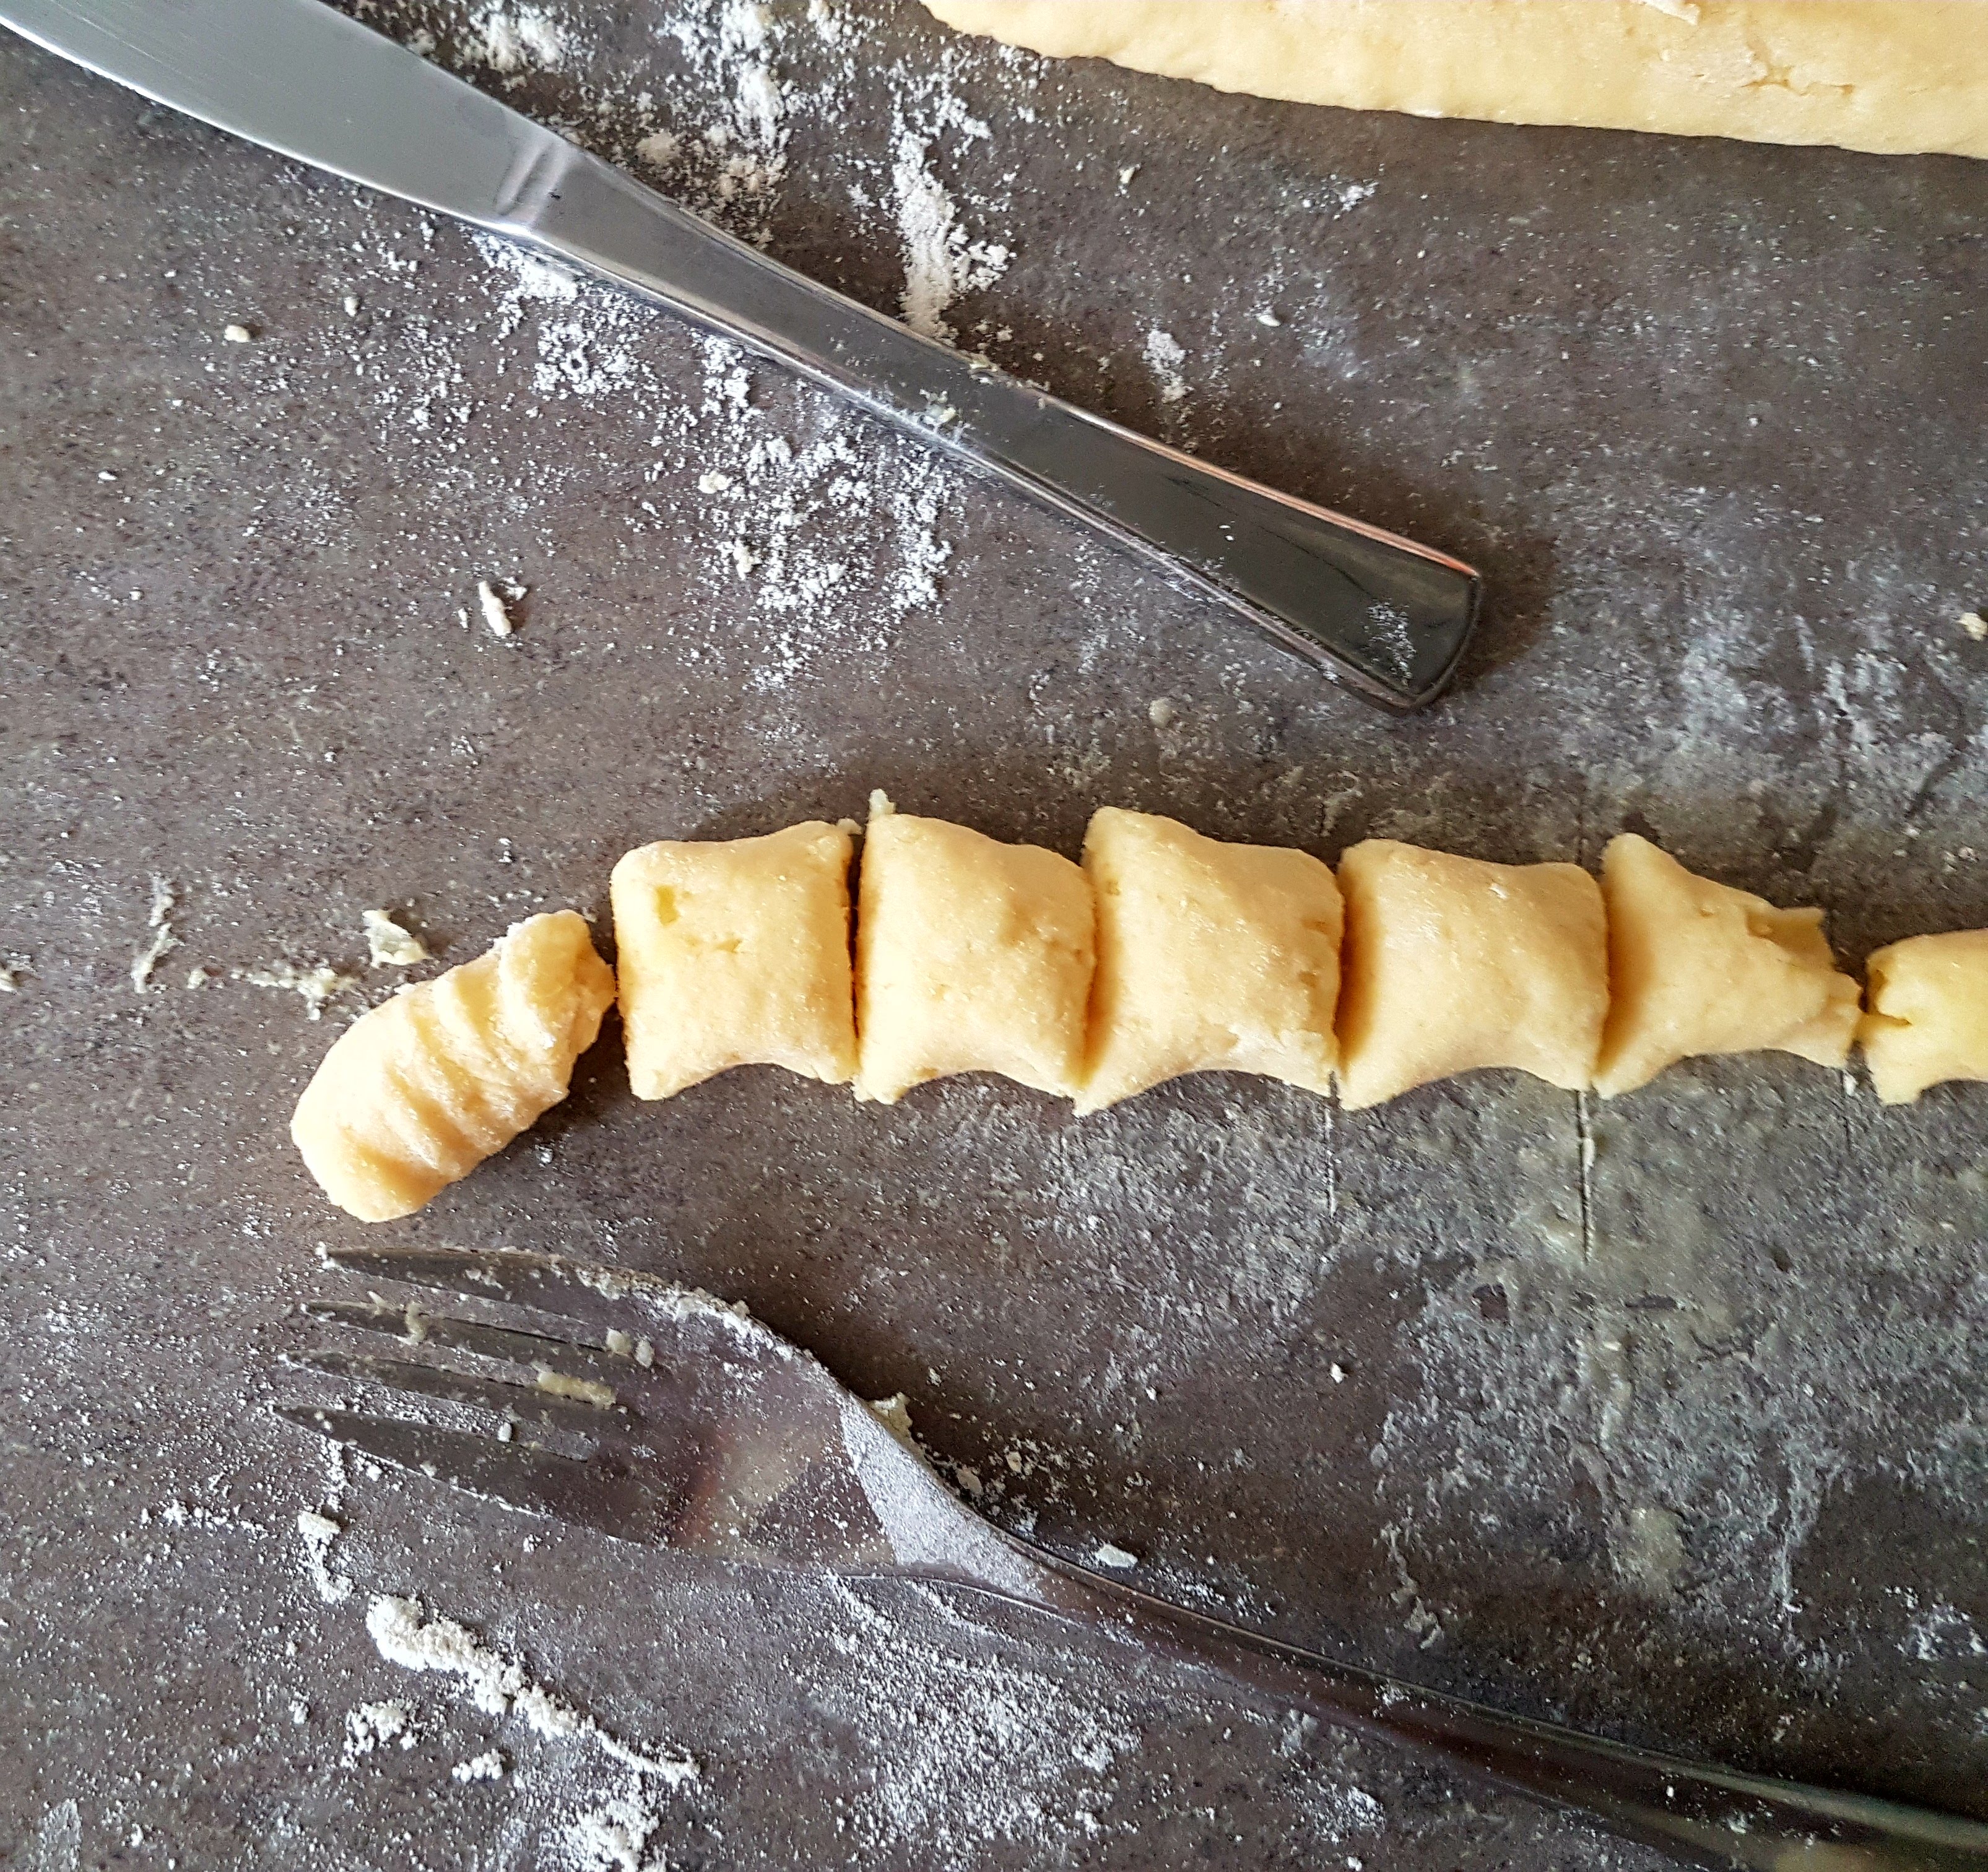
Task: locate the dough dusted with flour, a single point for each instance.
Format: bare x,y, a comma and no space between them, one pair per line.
736,952
1452,963
1929,1018
1211,957
1888,76
1697,968
418,1091
971,956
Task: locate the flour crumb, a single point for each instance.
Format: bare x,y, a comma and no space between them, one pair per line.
391,946
1161,713
1106,1554
512,44
711,481
940,261
490,602
373,1725
351,305
742,557
488,1767
237,334
1125,176
1975,625
659,149
613,1836
158,920
403,1634
1685,10
197,976
10,979
316,986
1266,316
1165,356
318,1531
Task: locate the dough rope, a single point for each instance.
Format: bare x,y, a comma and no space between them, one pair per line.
1165,953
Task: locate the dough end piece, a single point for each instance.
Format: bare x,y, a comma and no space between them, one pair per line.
419,1090
1929,1018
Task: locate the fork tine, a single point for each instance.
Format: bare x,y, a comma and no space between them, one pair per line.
516,1476
546,1283
544,1403
496,1342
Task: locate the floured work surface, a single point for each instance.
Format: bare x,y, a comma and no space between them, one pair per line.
1667,1436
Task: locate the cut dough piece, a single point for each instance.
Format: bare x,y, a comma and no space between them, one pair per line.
1890,75
1699,968
1451,964
418,1091
1929,1017
971,957
736,953
1210,958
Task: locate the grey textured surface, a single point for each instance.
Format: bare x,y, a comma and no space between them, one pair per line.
1686,1446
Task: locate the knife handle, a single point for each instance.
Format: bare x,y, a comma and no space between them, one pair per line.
1388,617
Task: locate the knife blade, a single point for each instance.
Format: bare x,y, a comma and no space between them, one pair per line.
1388,617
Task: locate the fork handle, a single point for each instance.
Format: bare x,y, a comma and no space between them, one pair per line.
1697,1813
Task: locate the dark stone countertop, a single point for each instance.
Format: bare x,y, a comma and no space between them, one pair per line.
1683,1443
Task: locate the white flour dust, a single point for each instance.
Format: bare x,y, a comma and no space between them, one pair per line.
940,263
403,1634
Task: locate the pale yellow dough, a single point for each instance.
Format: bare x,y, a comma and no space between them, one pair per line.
1889,76
736,952
1697,968
1929,1017
971,957
1210,957
1451,964
417,1092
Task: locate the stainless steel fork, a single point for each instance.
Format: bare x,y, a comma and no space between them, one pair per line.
658,1415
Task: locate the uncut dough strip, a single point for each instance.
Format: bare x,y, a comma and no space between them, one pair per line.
1886,76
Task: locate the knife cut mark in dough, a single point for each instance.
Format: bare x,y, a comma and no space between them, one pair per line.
971,956
1211,957
1452,963
736,953
418,1091
1929,1017
1698,967
1886,76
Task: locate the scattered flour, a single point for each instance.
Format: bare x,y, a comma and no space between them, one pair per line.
319,1531
514,43
613,1836
402,1634
1165,356
940,263
373,1725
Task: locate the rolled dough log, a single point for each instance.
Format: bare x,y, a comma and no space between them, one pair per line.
1210,957
971,957
1929,1017
1451,964
1890,75
1697,967
736,952
418,1091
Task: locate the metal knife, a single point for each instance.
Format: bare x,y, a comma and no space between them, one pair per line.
1386,617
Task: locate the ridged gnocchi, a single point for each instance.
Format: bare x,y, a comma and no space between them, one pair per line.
421,1090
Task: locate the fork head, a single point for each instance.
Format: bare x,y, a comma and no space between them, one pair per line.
651,1413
